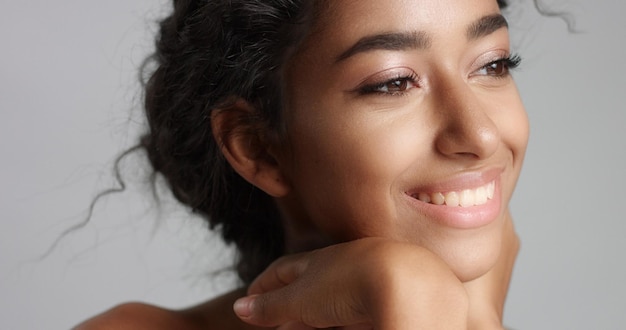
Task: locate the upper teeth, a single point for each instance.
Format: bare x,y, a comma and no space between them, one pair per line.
463,198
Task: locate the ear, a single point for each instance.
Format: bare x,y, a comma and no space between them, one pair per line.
245,145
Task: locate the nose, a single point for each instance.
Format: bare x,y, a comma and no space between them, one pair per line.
466,130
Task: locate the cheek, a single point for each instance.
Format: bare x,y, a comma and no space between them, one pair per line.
512,121
515,132
359,149
345,167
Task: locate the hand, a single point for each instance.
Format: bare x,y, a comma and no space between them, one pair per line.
363,284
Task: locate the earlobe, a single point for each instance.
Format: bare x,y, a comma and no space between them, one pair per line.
242,141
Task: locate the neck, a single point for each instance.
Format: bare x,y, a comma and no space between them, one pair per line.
301,234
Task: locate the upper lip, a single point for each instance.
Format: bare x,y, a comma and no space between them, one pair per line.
459,182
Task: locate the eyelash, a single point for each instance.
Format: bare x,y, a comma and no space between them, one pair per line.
509,63
401,82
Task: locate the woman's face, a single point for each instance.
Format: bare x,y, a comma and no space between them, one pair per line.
403,122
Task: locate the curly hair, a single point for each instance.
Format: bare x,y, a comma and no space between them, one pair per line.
207,54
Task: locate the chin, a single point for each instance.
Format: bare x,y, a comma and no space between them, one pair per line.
471,259
469,253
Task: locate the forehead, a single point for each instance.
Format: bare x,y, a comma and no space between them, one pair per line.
340,22
332,10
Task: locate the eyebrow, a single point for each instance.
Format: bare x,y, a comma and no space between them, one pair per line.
388,41
486,26
420,39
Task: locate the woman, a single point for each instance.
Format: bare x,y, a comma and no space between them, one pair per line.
374,144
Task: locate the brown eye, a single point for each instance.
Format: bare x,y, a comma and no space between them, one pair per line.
496,69
394,86
499,68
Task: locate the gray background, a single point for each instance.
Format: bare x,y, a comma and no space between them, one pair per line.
69,103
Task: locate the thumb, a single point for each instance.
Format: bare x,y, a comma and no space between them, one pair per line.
273,297
290,308
267,310
295,326
279,274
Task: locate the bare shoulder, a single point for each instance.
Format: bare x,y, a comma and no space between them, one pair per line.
213,314
136,316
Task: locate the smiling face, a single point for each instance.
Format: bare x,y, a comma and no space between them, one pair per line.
403,122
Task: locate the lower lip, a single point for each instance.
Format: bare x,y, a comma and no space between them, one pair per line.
462,217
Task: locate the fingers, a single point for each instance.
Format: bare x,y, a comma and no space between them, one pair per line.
270,309
363,326
295,326
287,291
279,274
271,300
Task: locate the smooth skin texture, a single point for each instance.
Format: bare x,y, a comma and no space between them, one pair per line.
384,100
354,156
362,136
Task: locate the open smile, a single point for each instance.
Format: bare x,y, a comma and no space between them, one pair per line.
463,198
469,201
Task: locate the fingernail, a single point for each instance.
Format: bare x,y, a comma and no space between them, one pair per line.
243,306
